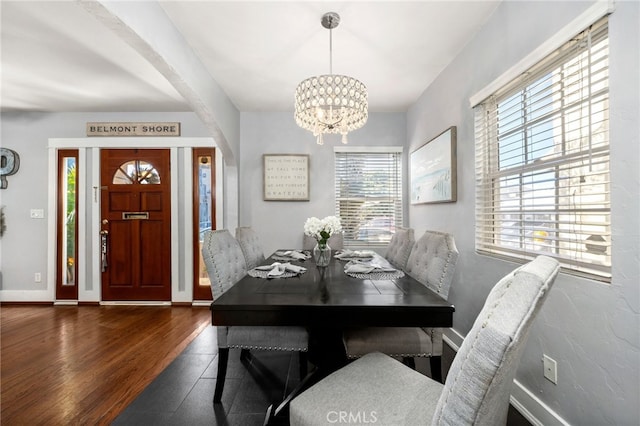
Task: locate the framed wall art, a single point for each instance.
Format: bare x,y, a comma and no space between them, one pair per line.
433,170
286,177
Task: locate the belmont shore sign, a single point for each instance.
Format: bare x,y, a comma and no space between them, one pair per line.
132,129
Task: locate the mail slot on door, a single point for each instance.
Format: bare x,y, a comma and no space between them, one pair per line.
135,215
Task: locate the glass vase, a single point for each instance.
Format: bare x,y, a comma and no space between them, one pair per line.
322,254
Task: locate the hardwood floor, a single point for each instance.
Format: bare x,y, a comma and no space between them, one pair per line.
84,365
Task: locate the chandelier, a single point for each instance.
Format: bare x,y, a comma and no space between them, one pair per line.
331,103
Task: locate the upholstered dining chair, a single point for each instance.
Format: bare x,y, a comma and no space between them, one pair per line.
226,266
399,247
336,242
478,386
250,245
432,262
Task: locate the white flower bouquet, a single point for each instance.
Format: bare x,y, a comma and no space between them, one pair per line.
322,229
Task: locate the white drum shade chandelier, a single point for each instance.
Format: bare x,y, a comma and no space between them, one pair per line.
331,103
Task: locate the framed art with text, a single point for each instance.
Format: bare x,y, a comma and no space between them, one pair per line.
286,177
433,170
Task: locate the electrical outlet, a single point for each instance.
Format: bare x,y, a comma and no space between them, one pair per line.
37,277
550,369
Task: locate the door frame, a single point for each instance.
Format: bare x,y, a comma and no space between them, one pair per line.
89,274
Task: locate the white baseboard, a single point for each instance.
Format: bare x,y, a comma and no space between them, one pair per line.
522,399
135,303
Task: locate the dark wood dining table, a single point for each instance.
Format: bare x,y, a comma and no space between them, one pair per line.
326,297
326,300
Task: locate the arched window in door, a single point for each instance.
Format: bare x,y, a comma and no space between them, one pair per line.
136,172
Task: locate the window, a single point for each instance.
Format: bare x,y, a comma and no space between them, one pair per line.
203,216
67,225
368,193
138,172
542,161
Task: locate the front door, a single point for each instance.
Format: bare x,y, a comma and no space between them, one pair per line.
136,227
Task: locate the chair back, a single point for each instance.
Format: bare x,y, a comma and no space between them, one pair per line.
336,242
400,246
478,386
250,245
433,261
224,260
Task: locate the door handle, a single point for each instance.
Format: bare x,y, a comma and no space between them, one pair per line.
104,242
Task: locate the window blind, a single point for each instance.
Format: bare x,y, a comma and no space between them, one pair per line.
542,161
368,197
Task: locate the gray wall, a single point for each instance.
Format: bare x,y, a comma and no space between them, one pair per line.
591,329
280,223
24,246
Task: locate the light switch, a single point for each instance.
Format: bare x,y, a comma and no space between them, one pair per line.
37,214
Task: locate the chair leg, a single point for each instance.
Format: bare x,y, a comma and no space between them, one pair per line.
436,368
303,364
409,361
223,357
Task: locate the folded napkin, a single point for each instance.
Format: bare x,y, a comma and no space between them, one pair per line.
365,268
276,269
346,253
294,254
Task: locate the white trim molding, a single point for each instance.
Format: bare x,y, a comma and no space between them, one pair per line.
588,17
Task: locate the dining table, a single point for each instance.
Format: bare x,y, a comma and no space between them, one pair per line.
328,299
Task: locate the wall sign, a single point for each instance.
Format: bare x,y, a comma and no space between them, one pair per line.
9,165
286,177
132,129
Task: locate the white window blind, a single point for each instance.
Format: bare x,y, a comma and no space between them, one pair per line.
542,161
368,186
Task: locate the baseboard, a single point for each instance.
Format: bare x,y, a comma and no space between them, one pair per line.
65,303
135,303
531,407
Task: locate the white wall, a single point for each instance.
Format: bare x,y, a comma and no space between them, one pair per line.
280,224
591,329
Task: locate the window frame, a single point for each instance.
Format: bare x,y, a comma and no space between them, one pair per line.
577,257
384,229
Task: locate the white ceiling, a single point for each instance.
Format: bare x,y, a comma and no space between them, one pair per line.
56,56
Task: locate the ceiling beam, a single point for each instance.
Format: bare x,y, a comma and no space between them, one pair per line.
146,27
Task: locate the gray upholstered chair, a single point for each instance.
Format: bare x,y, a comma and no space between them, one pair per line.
226,266
478,386
336,242
432,262
399,247
250,245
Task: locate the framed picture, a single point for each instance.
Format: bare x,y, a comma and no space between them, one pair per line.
433,170
286,177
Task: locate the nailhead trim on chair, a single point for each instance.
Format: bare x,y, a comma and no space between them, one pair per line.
448,239
421,355
270,348
477,336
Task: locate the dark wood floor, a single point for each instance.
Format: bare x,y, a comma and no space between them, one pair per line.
66,365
